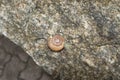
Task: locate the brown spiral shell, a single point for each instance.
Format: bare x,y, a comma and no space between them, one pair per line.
56,43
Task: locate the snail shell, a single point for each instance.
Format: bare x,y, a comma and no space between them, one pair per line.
56,43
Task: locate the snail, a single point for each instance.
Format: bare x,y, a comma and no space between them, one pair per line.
56,43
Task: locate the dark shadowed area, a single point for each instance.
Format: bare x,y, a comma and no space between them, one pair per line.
16,64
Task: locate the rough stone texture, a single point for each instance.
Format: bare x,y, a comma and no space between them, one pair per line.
15,64
91,29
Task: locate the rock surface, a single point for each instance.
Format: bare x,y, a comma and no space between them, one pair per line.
91,29
15,64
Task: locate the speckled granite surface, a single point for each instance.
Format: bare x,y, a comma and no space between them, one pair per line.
91,29
16,64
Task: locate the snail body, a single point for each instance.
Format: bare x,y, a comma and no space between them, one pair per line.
56,43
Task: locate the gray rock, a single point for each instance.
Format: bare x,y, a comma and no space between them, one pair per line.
14,66
91,30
